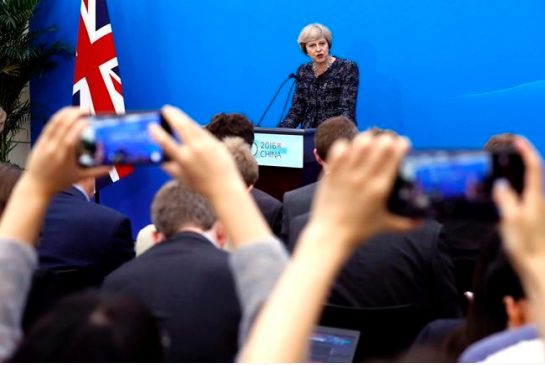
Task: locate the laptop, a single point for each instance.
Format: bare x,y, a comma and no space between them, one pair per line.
331,344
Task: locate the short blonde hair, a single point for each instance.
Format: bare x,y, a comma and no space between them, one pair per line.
313,32
244,159
176,205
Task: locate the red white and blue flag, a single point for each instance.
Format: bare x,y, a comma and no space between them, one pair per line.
97,84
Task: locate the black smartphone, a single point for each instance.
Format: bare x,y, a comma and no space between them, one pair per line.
124,139
453,184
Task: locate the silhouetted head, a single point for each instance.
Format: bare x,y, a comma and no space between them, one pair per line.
231,125
93,327
9,175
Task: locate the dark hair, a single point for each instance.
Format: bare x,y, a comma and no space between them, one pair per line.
331,130
93,327
494,279
500,142
9,175
231,125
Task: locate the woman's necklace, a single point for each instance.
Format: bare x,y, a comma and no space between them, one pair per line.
329,62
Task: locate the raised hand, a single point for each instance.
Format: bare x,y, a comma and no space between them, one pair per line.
51,168
351,199
205,164
52,164
200,160
523,217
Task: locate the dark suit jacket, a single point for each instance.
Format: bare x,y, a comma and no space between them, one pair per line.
270,207
186,283
397,269
78,233
296,202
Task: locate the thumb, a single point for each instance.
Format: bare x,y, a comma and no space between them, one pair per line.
505,198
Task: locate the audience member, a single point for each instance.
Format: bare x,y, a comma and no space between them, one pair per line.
80,243
185,279
51,168
281,300
145,239
414,269
231,125
298,201
9,175
89,327
498,303
245,161
237,125
522,227
465,236
103,236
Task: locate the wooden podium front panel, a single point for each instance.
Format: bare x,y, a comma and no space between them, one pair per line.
277,180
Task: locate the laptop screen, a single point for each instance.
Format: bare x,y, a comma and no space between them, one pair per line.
330,344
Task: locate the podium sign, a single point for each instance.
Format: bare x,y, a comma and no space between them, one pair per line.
286,159
280,150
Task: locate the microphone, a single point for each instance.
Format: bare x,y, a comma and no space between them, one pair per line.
293,76
290,76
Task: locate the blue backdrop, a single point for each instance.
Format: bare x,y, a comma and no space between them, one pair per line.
447,73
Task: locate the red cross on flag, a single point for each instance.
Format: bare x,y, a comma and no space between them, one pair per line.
97,84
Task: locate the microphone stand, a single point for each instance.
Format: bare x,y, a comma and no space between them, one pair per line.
285,104
291,76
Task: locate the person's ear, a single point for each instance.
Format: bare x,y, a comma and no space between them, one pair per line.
157,237
317,157
220,234
516,311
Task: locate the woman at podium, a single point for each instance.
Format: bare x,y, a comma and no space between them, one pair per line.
325,87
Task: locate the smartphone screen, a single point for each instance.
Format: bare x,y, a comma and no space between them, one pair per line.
120,139
443,183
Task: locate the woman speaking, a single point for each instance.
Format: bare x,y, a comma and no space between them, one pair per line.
325,87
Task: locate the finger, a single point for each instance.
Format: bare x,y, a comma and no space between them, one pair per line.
172,168
73,136
401,224
175,171
361,152
93,171
506,198
381,152
387,167
533,185
61,122
169,146
338,154
186,128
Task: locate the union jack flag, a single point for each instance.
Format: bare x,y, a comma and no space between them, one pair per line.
97,84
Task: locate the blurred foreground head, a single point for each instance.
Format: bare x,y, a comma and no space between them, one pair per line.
92,327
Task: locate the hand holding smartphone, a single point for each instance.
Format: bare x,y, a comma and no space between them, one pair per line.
454,184
111,139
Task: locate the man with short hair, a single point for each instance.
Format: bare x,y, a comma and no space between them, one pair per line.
411,269
298,201
185,278
237,125
245,161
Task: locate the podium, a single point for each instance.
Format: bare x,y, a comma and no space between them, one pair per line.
286,160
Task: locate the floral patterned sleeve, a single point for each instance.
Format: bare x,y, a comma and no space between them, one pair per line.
298,105
349,93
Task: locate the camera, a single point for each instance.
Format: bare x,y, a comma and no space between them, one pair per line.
453,183
124,139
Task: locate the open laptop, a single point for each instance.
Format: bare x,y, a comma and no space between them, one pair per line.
331,344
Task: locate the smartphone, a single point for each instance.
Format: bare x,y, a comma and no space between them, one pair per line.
453,184
124,139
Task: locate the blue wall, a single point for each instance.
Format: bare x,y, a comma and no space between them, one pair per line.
448,73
